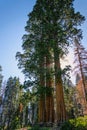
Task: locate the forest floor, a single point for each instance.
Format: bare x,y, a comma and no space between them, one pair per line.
23,129
53,128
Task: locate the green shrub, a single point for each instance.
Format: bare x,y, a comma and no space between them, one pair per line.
79,123
15,124
67,126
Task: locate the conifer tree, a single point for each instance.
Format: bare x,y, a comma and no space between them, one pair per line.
51,26
81,63
11,100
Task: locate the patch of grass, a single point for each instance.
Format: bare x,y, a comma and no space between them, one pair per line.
38,128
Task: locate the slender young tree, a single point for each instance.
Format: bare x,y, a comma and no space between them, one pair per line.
50,27
81,60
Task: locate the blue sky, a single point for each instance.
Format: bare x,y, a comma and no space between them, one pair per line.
13,17
81,6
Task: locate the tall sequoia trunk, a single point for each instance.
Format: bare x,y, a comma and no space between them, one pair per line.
41,110
49,96
51,109
41,106
60,106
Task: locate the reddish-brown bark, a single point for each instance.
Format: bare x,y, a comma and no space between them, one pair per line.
60,106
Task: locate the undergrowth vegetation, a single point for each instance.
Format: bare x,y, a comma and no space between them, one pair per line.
79,123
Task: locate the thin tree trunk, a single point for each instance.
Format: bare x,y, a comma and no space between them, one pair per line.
81,70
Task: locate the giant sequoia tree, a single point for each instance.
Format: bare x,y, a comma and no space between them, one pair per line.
50,28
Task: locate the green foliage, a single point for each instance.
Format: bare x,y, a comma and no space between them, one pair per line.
12,93
25,98
79,123
69,97
11,102
42,91
50,29
15,124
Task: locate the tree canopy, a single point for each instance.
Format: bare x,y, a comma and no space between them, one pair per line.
50,29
